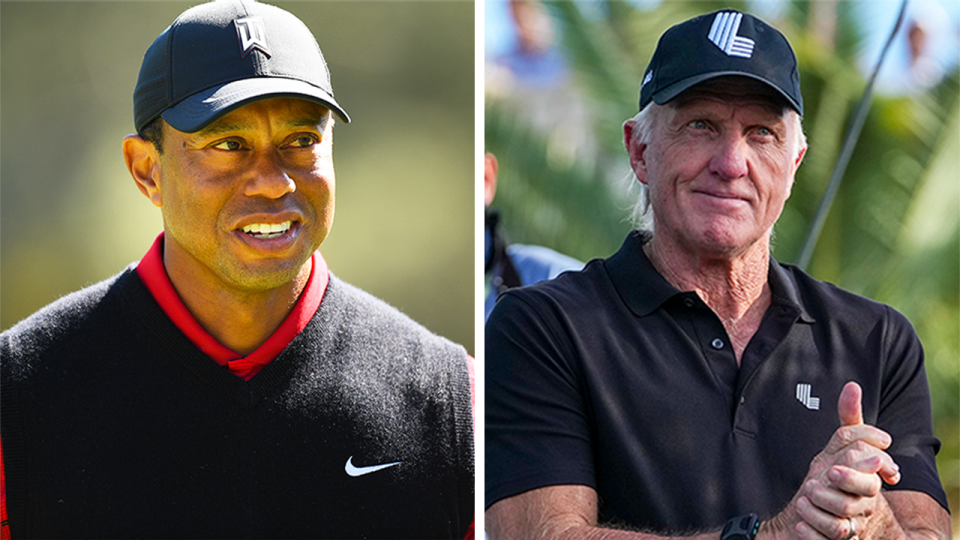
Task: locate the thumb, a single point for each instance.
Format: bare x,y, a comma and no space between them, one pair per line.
848,406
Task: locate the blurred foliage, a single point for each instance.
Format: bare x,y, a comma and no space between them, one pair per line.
893,233
70,215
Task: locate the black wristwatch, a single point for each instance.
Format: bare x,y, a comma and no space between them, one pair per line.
741,528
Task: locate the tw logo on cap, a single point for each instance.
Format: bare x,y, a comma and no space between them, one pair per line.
252,34
723,34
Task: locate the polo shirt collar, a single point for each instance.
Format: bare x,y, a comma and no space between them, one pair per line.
638,283
154,276
644,290
784,290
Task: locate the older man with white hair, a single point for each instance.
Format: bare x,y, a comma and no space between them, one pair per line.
691,384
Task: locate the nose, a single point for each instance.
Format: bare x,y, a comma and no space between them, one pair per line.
730,159
269,178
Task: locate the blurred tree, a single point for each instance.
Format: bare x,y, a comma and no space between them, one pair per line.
894,230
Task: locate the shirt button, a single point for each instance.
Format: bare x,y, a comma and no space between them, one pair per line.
717,343
688,302
743,400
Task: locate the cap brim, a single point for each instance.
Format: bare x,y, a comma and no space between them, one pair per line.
199,110
668,93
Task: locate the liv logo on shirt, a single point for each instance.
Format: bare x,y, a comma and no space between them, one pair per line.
803,396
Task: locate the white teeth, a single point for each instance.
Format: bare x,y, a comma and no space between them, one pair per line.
269,230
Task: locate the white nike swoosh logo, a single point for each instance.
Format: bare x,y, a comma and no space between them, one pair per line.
360,471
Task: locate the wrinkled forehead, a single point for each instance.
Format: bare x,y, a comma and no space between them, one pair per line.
737,91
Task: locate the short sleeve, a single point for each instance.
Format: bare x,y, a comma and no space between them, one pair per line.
537,429
905,410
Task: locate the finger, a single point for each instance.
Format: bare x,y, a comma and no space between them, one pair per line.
865,458
849,482
881,465
848,435
823,523
849,406
845,493
891,479
889,471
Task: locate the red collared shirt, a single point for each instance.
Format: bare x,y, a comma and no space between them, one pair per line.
154,276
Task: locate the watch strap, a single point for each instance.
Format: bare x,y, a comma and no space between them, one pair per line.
741,528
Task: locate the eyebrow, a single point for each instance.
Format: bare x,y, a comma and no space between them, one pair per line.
309,121
220,127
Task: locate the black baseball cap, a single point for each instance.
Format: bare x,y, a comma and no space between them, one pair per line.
218,56
719,44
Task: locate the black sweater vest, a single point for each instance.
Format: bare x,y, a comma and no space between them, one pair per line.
115,425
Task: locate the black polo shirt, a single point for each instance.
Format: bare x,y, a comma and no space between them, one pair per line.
612,378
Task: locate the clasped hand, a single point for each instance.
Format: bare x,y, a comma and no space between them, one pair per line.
842,490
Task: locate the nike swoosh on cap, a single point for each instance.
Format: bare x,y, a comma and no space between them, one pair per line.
360,471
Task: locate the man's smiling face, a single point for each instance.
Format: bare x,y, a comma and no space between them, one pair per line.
720,166
249,198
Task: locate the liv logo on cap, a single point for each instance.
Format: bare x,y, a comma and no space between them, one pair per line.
723,34
718,44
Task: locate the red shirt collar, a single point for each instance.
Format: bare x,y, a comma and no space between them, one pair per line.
155,278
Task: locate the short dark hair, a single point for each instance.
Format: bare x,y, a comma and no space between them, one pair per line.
153,132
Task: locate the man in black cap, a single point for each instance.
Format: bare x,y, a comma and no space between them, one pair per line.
228,385
690,384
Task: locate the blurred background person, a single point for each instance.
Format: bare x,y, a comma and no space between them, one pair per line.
512,265
531,76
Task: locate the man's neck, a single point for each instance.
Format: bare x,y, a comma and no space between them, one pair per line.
734,287
240,320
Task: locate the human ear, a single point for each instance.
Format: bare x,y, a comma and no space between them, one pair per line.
796,165
490,168
796,162
636,152
143,162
